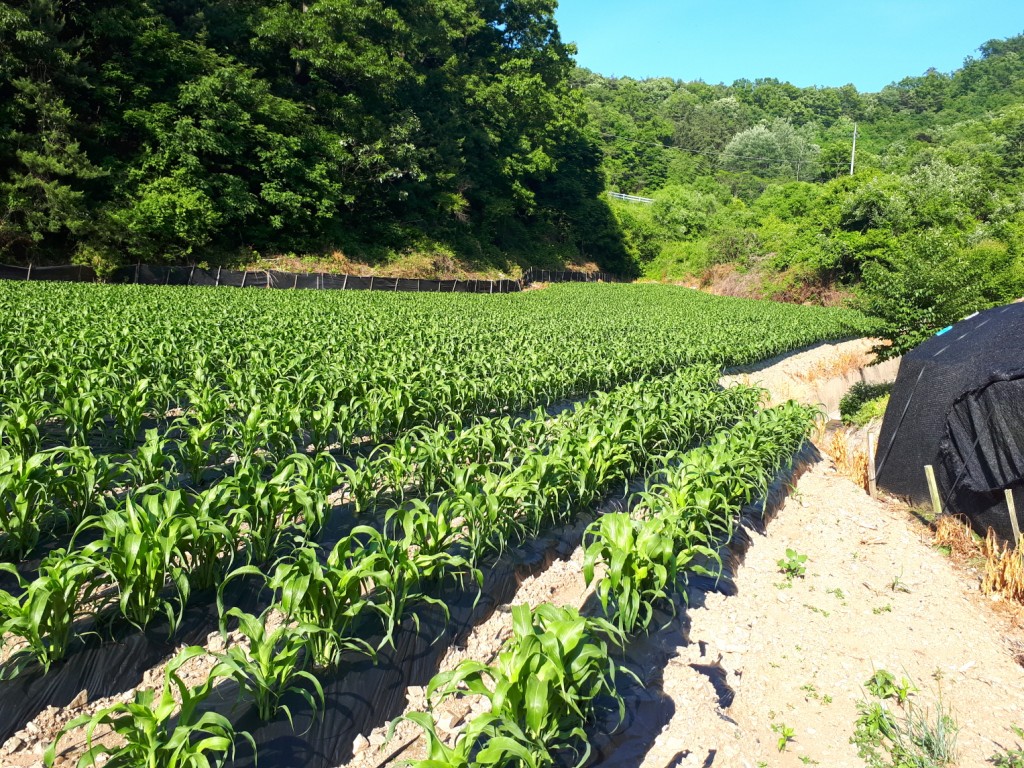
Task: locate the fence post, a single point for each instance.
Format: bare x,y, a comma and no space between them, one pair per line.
933,489
492,287
268,278
396,283
244,275
190,274
872,482
344,283
455,285
1012,508
295,282
371,282
137,265
28,275
216,282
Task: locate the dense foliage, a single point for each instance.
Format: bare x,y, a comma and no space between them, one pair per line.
753,188
174,130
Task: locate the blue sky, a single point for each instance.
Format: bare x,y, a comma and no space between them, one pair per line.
869,43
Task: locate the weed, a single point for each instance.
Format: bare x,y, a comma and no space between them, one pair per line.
1010,758
887,608
786,735
792,565
909,737
811,692
883,685
897,584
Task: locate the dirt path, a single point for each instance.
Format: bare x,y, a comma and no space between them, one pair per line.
875,596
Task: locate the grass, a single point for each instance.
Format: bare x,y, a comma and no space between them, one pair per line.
864,403
892,731
1004,569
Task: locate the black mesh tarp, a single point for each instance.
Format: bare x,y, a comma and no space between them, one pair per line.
958,404
70,273
204,277
149,274
13,273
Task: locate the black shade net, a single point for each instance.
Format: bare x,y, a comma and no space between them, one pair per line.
146,274
958,405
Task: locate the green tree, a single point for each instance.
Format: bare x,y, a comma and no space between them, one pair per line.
775,150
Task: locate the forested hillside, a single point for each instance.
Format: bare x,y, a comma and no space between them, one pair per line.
214,131
754,194
181,130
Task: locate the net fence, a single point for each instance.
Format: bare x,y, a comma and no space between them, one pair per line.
147,274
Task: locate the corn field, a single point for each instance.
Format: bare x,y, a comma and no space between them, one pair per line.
159,444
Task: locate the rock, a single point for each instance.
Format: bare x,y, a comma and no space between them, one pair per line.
32,728
360,744
14,744
80,700
450,722
215,642
377,739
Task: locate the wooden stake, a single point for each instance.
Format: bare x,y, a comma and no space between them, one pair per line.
933,488
1013,516
872,484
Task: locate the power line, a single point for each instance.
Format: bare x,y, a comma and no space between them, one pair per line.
843,164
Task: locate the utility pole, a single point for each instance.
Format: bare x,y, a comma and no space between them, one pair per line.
853,152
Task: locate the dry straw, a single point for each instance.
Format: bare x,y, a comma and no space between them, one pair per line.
1004,569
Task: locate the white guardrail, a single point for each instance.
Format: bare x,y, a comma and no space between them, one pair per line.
630,198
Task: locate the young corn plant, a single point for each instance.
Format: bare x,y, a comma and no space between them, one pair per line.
25,500
129,410
330,595
638,567
402,567
142,549
156,731
486,741
272,665
547,683
267,512
82,481
40,620
19,427
152,464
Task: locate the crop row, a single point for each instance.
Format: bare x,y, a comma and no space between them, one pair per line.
556,670
321,601
96,365
108,388
155,537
